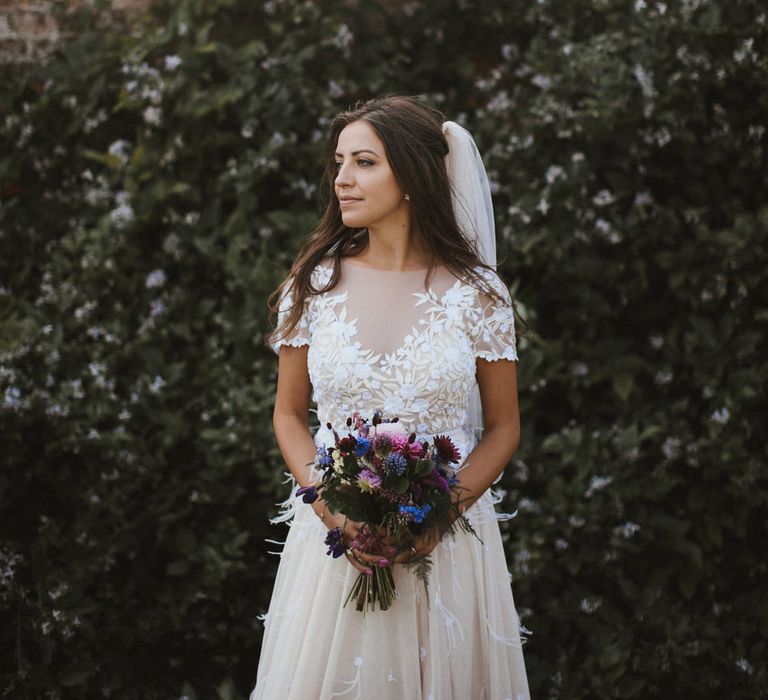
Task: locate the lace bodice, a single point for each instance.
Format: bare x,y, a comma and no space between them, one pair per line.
382,341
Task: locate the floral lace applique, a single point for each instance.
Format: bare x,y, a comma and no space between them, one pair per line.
426,381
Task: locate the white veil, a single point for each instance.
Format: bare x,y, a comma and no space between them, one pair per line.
473,208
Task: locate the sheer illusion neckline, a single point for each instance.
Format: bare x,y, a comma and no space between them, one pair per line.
347,262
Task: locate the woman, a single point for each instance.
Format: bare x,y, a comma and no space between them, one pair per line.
390,307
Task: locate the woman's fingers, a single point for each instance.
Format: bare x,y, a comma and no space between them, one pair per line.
353,558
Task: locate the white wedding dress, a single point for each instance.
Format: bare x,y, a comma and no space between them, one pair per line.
380,341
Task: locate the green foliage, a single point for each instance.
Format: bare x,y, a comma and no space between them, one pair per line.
154,192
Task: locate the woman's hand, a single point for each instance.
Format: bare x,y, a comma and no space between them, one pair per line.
422,546
350,530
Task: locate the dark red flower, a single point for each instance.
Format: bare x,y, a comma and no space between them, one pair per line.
348,444
446,449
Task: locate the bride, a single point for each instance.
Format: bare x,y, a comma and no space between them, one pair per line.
393,304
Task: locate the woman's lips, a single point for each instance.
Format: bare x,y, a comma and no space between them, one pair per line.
344,202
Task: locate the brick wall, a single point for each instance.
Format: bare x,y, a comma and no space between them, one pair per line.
29,28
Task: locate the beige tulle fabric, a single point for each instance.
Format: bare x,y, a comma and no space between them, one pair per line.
380,340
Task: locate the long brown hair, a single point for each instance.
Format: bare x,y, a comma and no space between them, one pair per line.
415,147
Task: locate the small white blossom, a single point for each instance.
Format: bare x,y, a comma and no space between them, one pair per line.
579,369
656,342
344,37
597,484
721,415
590,604
156,278
120,149
628,529
553,172
603,198
335,89
12,397
670,448
157,307
122,215
171,62
645,78
157,383
153,115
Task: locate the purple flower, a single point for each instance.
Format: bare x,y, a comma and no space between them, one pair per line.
324,458
368,481
335,544
435,478
308,494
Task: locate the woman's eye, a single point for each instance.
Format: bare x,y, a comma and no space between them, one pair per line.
362,161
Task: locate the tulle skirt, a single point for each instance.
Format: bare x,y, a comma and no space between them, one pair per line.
464,643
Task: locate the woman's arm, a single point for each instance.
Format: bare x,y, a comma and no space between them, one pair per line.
290,418
291,425
501,438
501,435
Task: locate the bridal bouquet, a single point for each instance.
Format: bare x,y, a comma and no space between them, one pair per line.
398,487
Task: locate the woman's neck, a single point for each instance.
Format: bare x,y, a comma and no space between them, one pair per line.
398,250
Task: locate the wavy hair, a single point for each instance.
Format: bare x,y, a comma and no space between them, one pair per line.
416,148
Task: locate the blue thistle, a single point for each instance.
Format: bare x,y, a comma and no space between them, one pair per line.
396,464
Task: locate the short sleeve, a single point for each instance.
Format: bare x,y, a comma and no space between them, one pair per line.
301,334
493,323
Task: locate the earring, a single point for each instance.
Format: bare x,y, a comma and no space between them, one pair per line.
408,197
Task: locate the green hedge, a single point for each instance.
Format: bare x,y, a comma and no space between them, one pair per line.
155,184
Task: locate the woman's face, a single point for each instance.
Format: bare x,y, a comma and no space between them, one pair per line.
365,184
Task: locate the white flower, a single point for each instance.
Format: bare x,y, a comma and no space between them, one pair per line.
602,198
553,172
590,604
156,278
12,397
670,448
628,529
156,308
157,383
122,215
172,62
119,149
598,483
721,415
152,115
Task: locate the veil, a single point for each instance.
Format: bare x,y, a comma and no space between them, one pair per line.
473,208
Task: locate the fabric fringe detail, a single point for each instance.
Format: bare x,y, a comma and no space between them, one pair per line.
496,498
287,507
451,623
354,682
506,641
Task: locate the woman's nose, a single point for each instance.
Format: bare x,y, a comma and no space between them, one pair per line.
342,176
